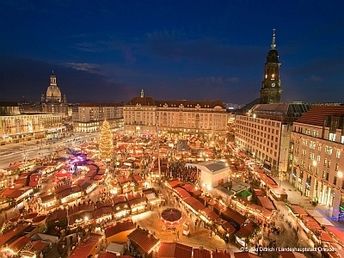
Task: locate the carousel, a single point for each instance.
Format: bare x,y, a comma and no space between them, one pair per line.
171,217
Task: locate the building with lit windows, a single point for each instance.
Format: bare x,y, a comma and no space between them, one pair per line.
317,151
88,117
26,127
9,108
146,114
264,132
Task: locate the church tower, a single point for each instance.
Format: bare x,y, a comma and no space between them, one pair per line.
270,91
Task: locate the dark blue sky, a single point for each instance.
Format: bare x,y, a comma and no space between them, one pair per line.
109,50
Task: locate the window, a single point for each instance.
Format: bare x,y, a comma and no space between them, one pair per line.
338,154
312,145
332,137
328,150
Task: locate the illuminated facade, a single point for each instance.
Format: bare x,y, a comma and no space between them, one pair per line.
89,117
146,114
53,101
264,132
270,91
25,127
317,147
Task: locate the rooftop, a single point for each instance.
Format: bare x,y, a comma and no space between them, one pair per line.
84,249
317,115
214,166
280,111
170,250
143,239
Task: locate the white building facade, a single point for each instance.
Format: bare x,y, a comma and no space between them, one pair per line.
146,114
317,144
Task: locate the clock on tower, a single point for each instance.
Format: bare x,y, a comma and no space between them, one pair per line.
270,91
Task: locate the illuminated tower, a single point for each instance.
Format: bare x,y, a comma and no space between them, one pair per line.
270,91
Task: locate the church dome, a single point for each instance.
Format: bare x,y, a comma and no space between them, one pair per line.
53,93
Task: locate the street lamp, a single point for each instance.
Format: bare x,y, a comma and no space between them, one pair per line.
340,174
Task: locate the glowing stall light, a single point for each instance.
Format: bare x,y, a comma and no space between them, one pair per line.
114,191
314,163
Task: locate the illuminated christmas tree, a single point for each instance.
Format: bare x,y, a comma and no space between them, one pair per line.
105,142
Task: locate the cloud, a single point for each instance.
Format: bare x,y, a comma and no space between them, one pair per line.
29,78
86,67
92,47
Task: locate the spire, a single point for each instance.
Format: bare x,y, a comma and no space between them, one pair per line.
273,42
142,93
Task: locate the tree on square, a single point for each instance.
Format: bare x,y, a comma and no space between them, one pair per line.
105,142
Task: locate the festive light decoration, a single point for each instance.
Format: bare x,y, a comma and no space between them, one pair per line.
105,142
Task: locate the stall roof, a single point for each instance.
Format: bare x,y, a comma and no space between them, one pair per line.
210,214
201,253
245,255
174,183
182,192
194,203
339,234
268,180
286,254
174,250
324,236
119,227
266,202
84,249
234,216
246,230
298,210
11,234
221,254
319,218
143,239
20,243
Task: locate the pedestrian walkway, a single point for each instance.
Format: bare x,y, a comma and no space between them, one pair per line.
295,197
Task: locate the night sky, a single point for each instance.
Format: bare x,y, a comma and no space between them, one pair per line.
109,50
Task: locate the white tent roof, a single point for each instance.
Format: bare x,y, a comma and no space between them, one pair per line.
320,218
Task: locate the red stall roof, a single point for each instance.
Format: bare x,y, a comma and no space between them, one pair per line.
245,255
119,227
174,250
85,249
266,202
298,210
201,253
143,239
221,254
182,192
194,203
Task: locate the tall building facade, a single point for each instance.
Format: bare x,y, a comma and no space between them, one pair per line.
52,100
270,91
146,114
264,132
17,127
88,117
317,148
